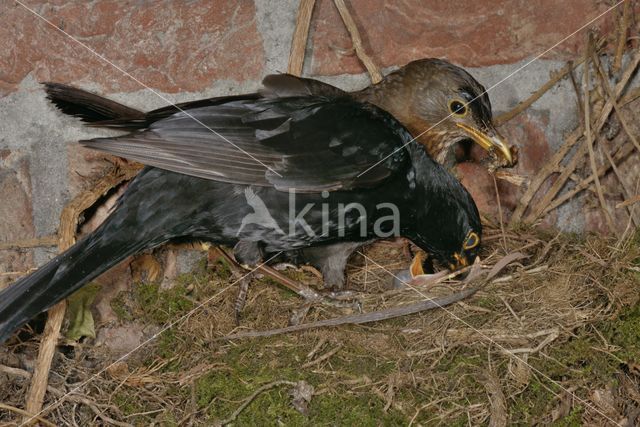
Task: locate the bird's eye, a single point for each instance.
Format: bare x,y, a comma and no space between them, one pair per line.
458,108
471,242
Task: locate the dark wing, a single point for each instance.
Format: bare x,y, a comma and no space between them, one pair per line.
310,144
286,85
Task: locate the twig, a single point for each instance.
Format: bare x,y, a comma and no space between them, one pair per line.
300,35
373,71
497,400
550,338
94,408
317,347
616,106
68,223
425,406
589,139
26,414
322,358
70,397
576,89
631,96
40,379
495,186
357,319
605,83
554,164
630,135
510,177
560,180
584,184
38,242
630,201
622,36
625,189
557,76
550,167
251,398
389,313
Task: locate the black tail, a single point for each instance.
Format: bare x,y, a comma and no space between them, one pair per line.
59,278
94,109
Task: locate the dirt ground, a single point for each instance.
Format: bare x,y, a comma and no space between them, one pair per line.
552,340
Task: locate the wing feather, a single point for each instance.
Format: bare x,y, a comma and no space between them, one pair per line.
309,143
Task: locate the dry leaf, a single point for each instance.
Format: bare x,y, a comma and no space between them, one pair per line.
302,394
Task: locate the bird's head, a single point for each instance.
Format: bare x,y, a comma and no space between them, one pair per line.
453,244
453,259
441,104
445,222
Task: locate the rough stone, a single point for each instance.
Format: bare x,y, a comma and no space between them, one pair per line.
121,339
276,20
15,211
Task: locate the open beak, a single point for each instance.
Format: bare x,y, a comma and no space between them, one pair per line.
416,266
461,262
491,141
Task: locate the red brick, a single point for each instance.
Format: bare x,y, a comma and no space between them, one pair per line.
526,131
172,46
478,33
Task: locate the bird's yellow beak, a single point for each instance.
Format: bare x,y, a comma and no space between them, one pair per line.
491,141
461,262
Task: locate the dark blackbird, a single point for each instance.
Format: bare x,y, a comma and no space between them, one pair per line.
233,169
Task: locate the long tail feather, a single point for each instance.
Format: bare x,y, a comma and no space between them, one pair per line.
59,278
94,109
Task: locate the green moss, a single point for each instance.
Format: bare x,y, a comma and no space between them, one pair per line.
240,368
254,363
356,361
587,366
168,419
161,306
167,344
127,403
579,356
624,332
344,409
221,393
221,269
574,419
527,407
585,362
459,363
247,367
119,307
489,302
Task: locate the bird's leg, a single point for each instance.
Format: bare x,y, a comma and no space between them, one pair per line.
302,290
241,298
238,270
310,296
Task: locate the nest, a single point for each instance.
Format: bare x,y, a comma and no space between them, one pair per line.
476,360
